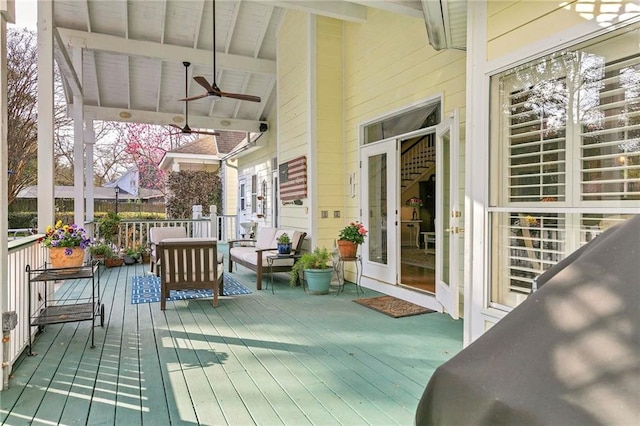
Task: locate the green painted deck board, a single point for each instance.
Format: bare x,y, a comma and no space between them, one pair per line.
263,359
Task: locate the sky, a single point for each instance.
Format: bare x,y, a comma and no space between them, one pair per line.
26,14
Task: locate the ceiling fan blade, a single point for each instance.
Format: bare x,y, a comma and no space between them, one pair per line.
205,132
193,98
241,96
204,83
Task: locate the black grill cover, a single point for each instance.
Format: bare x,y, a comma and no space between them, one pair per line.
568,355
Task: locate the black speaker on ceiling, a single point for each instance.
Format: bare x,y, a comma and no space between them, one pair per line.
263,127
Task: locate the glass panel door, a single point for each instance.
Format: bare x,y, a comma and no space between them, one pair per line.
379,254
448,215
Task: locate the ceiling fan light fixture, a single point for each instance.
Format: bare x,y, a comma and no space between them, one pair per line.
124,114
225,123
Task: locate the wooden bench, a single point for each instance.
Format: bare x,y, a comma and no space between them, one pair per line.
252,254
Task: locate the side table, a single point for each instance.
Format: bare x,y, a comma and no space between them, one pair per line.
339,268
273,257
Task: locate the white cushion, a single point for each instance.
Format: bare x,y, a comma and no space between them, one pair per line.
157,234
264,240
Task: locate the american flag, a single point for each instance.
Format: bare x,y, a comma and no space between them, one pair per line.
293,179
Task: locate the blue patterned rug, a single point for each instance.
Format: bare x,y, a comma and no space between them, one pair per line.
146,289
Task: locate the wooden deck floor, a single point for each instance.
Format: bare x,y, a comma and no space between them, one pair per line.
267,359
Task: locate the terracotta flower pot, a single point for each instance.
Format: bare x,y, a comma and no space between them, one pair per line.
347,249
111,262
66,257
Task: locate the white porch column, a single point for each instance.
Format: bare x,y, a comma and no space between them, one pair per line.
46,195
5,16
78,144
89,140
476,175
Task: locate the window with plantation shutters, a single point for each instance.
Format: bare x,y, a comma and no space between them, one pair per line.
610,129
537,142
564,157
536,242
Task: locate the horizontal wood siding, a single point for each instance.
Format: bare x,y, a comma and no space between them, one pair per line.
330,182
293,119
512,25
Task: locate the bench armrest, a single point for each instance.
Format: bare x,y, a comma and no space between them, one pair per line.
233,242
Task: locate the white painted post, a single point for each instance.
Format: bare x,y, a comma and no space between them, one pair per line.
46,194
89,140
213,216
78,144
196,211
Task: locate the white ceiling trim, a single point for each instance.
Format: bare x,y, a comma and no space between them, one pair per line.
344,10
113,44
164,118
406,8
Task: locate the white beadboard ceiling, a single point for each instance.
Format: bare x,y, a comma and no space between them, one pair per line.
132,54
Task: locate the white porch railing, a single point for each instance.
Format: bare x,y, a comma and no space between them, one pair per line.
136,232
22,252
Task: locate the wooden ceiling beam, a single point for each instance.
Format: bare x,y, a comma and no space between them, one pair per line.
112,44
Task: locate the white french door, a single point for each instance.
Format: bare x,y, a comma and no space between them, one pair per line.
379,189
448,214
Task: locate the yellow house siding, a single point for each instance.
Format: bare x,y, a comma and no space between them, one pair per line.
292,85
292,103
512,25
329,183
389,65
401,69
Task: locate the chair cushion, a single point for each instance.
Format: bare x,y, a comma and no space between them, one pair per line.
265,238
157,234
295,239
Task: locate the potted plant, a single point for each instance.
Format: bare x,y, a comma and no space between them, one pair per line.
112,260
284,244
349,238
316,269
145,255
99,250
131,255
108,227
66,243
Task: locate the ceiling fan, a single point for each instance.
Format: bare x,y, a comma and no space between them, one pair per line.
213,89
186,129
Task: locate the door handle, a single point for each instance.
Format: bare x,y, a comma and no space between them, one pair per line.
454,230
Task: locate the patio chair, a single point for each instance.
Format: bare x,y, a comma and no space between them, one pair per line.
189,264
157,234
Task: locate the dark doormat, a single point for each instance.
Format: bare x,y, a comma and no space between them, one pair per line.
392,306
